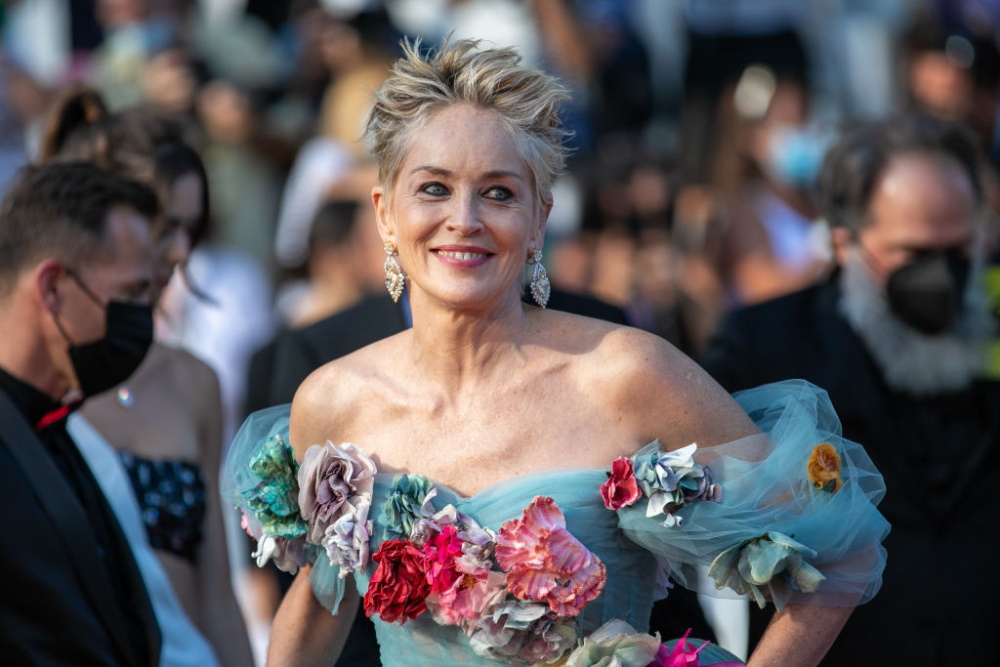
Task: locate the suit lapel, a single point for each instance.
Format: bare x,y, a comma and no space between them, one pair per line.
71,524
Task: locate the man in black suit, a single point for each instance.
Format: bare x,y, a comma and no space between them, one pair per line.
897,337
76,268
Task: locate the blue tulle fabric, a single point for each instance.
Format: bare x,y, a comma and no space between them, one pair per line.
764,490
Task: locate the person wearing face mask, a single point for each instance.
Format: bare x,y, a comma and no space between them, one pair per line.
75,315
897,336
766,164
154,441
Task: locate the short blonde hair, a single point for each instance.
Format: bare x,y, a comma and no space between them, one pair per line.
524,99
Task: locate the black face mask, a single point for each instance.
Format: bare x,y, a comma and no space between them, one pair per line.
927,293
109,361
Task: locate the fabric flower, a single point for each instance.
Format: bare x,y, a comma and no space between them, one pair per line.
773,564
329,477
403,504
683,654
523,633
672,480
398,589
824,469
615,644
346,540
288,555
440,552
273,503
621,489
545,562
472,596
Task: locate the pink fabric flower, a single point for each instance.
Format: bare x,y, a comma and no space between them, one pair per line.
471,597
441,550
545,562
621,489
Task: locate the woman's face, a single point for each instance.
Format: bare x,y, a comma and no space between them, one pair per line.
462,211
182,214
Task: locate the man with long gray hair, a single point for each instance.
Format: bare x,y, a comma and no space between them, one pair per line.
898,335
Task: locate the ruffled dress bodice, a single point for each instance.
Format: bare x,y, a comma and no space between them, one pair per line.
820,537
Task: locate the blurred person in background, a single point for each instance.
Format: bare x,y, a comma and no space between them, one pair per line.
766,160
897,336
166,420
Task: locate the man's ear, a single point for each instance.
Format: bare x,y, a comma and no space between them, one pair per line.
379,201
45,284
840,241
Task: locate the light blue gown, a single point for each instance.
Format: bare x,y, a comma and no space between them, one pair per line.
764,490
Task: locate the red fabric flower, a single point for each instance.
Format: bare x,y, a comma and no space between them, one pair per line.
621,489
398,590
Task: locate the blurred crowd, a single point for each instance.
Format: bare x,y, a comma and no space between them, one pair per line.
699,127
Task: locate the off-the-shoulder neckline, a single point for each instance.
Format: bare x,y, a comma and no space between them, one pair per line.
389,477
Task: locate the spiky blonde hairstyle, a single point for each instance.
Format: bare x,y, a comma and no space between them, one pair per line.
524,99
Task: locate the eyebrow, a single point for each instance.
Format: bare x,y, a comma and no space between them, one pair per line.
441,171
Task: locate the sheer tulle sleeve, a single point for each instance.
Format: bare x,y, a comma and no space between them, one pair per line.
261,478
793,517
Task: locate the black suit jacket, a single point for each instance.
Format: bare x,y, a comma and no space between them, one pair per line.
940,458
57,605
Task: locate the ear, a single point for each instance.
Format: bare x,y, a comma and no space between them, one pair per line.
840,241
45,283
379,201
537,239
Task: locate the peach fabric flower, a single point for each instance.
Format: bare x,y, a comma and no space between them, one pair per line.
621,489
545,562
824,469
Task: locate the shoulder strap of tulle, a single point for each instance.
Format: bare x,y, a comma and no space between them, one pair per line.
261,478
792,515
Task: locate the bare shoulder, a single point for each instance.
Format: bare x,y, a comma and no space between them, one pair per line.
187,366
338,396
658,392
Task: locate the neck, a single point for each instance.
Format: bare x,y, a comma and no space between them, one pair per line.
462,349
25,356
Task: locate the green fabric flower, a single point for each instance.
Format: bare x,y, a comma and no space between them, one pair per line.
772,565
402,506
274,501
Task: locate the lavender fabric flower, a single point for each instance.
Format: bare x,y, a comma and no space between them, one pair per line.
329,477
523,633
346,540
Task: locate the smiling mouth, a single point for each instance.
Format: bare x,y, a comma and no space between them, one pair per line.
465,256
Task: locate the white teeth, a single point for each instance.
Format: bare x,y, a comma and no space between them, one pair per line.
461,255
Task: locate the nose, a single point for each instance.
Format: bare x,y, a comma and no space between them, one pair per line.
177,249
465,218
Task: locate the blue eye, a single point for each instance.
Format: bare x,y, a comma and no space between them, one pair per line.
499,193
434,189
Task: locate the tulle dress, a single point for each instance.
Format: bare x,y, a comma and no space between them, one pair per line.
527,571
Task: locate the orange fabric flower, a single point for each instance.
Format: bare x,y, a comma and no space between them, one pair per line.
824,469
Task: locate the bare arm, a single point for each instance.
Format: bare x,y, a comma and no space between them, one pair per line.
221,617
304,633
799,636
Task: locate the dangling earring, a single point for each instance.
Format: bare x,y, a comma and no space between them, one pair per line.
395,279
540,286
